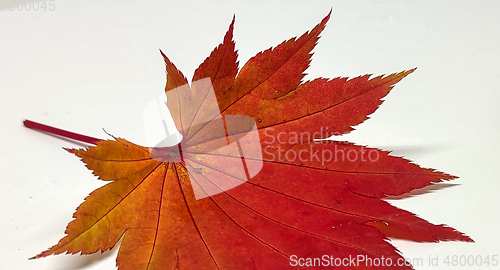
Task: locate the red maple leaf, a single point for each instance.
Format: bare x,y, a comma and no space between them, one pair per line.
250,186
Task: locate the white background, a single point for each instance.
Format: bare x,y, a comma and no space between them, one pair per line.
90,65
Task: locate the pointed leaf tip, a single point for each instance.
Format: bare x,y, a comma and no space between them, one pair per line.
327,18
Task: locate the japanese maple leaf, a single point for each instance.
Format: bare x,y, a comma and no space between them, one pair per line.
215,202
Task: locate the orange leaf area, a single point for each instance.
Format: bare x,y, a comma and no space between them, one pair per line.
306,199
